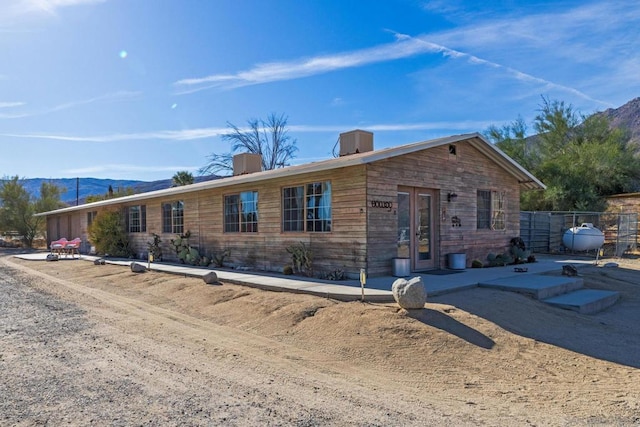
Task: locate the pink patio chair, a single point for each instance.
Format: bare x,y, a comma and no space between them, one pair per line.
58,246
72,247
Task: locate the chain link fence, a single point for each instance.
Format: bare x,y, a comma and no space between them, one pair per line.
542,231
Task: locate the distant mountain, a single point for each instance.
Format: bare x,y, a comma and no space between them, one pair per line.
81,188
626,117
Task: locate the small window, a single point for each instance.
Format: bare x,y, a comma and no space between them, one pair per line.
91,216
241,212
136,219
293,208
173,217
491,210
318,205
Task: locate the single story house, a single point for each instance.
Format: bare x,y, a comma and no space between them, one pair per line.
418,202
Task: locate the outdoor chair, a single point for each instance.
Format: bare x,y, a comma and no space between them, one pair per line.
72,247
58,246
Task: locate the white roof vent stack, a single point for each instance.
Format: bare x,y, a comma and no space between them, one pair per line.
355,141
245,163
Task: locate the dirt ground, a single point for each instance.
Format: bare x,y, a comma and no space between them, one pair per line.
85,344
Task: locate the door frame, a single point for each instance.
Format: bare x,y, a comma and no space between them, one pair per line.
414,233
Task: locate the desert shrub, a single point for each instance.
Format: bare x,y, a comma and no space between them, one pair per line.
185,253
302,259
107,234
155,247
476,263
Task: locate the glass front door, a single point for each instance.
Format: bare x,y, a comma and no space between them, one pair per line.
423,227
416,227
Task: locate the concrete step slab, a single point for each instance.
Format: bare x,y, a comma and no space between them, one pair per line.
585,301
537,285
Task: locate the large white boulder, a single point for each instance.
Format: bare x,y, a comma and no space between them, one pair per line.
409,294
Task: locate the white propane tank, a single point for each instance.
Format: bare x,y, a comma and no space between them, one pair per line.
583,238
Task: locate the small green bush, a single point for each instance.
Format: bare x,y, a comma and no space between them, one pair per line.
108,236
287,269
476,263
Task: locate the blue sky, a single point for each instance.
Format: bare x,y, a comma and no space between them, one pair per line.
140,89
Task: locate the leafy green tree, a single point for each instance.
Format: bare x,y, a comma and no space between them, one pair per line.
512,139
269,137
107,234
580,159
19,207
182,178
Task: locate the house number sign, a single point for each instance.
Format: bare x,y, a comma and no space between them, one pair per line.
381,204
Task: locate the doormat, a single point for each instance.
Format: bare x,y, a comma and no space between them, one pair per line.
442,272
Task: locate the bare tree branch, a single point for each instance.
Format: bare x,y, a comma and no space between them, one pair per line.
268,138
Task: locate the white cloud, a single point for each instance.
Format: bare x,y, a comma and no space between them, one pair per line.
172,135
405,46
203,133
11,104
277,71
115,96
46,6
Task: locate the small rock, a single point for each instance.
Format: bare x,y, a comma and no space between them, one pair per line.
611,265
211,278
569,270
52,257
137,268
409,294
99,262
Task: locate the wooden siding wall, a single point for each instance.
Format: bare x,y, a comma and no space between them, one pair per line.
344,248
463,174
626,204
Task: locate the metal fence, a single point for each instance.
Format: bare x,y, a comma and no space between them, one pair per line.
542,231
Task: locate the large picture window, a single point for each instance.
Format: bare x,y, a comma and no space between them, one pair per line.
173,217
241,212
491,210
136,219
307,207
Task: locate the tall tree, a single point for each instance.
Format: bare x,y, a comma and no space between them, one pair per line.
580,159
269,137
19,207
182,178
512,139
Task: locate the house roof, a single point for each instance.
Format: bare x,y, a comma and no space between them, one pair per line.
526,179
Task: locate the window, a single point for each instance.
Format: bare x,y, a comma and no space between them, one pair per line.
136,219
241,212
497,211
491,210
293,208
307,207
90,217
173,217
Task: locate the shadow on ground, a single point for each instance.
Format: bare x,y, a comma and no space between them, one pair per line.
448,324
612,335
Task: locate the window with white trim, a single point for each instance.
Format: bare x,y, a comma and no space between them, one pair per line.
136,219
173,217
